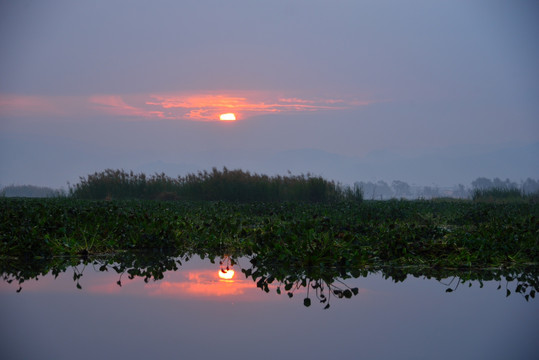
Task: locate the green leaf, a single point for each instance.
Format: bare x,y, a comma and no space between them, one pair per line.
448,290
307,302
508,293
288,286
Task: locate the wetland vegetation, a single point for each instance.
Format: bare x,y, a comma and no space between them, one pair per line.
295,230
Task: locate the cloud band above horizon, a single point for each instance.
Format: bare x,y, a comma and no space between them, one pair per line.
198,106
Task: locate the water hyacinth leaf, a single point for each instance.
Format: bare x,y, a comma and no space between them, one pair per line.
355,291
448,290
347,294
307,302
508,293
278,290
288,286
78,286
326,307
290,294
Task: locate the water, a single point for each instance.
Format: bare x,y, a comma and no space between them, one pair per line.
193,314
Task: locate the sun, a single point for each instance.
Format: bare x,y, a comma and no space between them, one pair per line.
226,275
227,117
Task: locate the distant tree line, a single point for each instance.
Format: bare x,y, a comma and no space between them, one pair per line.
229,185
239,185
381,190
30,191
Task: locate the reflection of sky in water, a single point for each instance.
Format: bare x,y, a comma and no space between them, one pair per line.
192,314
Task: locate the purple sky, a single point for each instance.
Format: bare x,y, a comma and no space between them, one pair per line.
423,91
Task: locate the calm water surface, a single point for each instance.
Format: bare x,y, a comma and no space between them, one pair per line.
193,314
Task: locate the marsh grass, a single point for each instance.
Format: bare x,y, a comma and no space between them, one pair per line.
227,185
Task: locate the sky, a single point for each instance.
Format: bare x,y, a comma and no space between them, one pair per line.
429,92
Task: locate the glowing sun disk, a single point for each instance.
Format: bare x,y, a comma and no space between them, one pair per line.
226,275
227,117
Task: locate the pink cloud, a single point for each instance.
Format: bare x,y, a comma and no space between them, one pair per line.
23,105
200,106
115,105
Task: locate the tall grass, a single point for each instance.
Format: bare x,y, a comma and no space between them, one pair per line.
228,185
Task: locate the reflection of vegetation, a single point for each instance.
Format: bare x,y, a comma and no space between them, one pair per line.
146,265
523,280
321,283
325,282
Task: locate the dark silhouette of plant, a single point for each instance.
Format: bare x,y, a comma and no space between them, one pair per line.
228,185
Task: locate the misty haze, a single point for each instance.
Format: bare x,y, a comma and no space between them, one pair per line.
190,179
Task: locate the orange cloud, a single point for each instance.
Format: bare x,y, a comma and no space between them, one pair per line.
202,106
246,104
